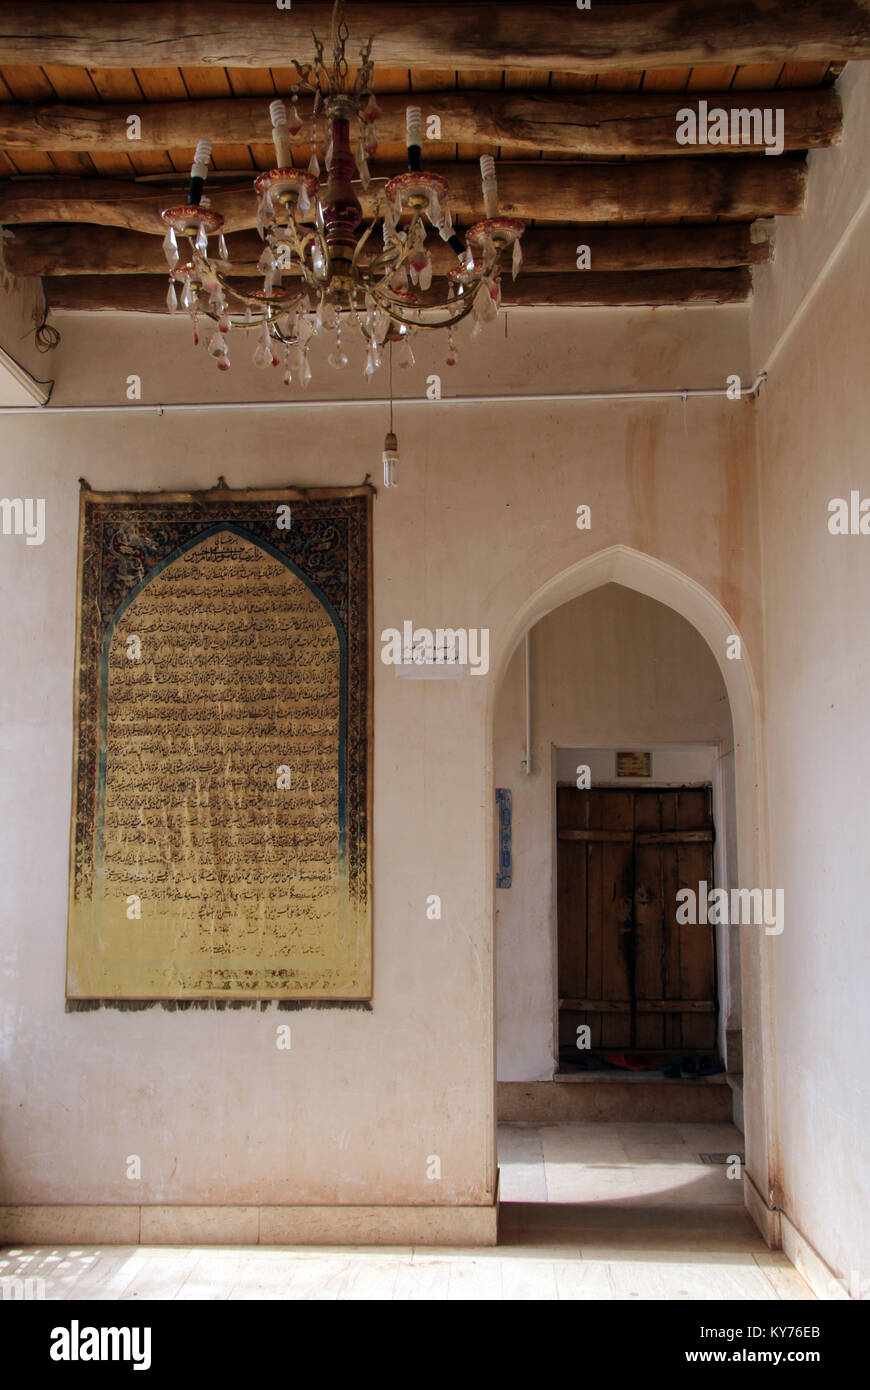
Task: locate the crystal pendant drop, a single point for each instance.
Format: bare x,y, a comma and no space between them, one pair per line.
201,242
452,350
224,363
485,305
263,350
370,365
426,274
303,202
405,355
362,166
294,120
314,165
305,370
195,330
224,324
516,259
372,111
338,358
171,298
170,248
222,248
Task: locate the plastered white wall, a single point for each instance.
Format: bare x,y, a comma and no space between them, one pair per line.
484,516
814,424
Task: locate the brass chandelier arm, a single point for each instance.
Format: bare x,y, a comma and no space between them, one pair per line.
408,318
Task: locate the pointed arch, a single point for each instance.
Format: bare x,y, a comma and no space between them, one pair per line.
633,569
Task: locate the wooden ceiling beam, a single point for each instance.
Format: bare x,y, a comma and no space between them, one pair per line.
147,293
463,36
733,187
77,250
594,124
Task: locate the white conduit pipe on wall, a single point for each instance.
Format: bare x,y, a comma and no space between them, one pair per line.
527,761
301,402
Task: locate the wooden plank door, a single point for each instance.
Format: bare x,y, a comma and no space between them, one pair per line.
627,969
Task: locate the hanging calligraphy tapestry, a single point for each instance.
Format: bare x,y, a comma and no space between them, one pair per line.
220,844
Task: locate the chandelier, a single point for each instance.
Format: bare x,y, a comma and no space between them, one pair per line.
326,268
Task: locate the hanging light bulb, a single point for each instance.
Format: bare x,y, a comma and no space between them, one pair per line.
391,460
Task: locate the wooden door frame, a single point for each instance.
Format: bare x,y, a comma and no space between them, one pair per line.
725,994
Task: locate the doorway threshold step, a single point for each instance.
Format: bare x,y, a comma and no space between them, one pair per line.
596,1097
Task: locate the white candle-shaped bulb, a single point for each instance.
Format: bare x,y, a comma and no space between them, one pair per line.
280,134
199,170
201,160
490,185
414,125
414,137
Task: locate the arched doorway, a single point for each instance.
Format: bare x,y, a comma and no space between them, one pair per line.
647,576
